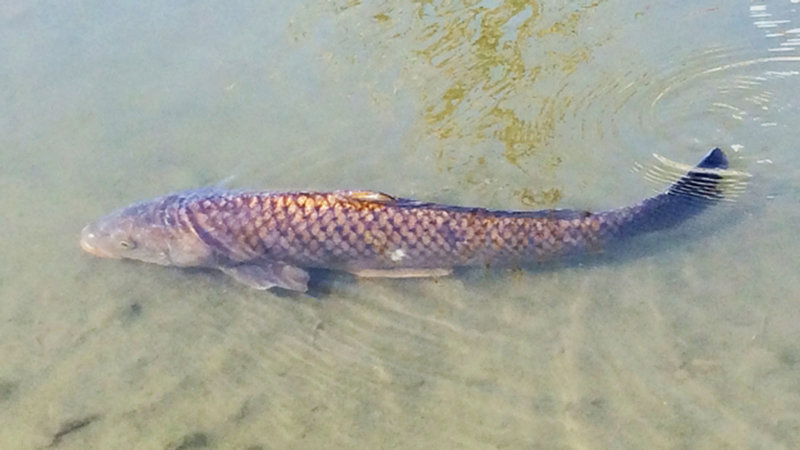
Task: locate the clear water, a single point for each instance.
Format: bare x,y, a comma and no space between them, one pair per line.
688,340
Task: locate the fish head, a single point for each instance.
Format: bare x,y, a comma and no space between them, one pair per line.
140,232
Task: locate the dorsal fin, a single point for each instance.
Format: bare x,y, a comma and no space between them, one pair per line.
367,197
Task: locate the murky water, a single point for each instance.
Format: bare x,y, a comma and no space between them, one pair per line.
687,340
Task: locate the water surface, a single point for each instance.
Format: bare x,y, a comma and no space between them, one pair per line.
687,339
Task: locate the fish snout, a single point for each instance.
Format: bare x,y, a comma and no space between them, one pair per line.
90,243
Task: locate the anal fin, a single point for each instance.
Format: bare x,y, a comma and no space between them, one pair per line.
400,273
268,275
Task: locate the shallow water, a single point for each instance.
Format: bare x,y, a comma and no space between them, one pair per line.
686,339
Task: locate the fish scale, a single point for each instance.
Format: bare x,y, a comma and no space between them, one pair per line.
333,230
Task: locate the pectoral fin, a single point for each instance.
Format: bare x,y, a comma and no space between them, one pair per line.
265,276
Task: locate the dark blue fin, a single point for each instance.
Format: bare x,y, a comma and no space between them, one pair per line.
702,182
715,159
695,191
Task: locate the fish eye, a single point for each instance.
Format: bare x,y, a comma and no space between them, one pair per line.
127,245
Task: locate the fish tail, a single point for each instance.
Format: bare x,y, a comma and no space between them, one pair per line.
702,186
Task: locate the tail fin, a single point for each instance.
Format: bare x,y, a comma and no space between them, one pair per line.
703,181
698,189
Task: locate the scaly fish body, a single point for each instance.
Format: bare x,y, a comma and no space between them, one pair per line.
266,239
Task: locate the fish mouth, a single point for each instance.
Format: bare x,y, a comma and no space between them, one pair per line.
86,244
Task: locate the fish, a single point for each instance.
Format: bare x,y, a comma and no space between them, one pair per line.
268,239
